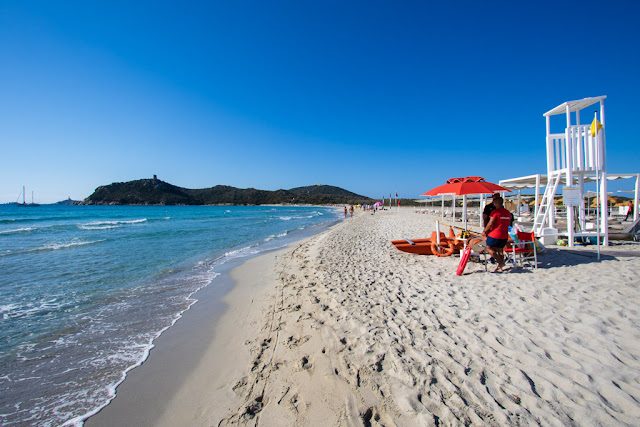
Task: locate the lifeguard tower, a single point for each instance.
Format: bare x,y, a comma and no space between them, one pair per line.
574,157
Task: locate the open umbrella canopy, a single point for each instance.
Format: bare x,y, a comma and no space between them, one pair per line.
468,185
611,201
377,204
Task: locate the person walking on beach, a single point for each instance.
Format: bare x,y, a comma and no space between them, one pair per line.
351,211
497,232
345,212
629,211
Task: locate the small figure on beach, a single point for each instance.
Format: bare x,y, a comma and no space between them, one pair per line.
351,211
345,212
497,232
629,211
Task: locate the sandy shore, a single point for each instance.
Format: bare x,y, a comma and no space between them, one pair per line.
343,329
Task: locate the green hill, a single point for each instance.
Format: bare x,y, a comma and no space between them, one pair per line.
157,192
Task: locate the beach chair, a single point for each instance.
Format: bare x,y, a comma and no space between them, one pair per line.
523,250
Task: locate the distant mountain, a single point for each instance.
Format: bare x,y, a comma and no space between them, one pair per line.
68,202
157,192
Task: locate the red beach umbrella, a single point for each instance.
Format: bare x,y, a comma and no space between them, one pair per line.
468,185
464,186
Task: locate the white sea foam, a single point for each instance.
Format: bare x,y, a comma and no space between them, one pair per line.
275,236
7,310
98,227
312,215
246,251
65,341
106,225
53,246
65,245
10,311
17,230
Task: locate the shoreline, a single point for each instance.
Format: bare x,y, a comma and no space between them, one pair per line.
345,330
142,397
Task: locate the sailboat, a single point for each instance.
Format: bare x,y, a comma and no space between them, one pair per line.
24,203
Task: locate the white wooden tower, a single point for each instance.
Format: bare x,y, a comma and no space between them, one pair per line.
574,157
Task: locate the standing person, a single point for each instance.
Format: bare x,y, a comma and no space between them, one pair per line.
488,209
351,211
629,211
345,212
497,232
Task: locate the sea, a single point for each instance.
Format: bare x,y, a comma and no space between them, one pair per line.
85,291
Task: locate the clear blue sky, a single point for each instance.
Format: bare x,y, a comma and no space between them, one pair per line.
372,96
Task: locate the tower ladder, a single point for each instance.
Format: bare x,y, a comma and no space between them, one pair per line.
546,204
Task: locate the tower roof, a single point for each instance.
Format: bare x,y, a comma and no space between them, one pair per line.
574,105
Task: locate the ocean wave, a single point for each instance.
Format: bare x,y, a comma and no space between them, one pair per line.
106,225
34,219
242,252
275,236
17,230
255,248
53,246
289,218
65,245
12,311
97,227
7,310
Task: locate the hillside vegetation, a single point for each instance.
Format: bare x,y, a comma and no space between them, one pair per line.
157,192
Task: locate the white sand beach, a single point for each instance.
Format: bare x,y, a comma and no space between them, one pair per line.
343,329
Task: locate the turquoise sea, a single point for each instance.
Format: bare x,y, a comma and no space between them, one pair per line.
85,290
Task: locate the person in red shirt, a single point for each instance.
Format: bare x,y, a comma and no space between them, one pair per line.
497,232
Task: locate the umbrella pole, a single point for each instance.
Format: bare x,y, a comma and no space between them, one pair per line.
453,208
464,211
519,202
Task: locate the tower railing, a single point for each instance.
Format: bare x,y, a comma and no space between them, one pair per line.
575,149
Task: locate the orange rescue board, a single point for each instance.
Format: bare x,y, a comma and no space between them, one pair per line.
422,246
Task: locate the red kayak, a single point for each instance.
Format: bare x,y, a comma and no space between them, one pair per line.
415,246
447,246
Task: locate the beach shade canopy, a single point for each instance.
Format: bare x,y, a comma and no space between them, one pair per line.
377,204
468,185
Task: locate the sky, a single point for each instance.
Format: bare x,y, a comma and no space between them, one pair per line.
376,97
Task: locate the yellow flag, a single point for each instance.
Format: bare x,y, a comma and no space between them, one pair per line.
595,127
